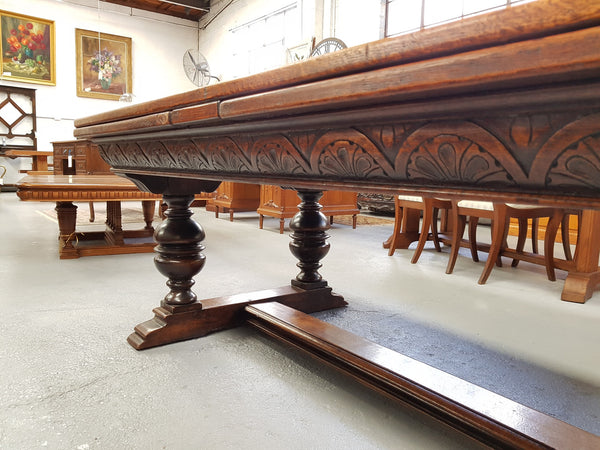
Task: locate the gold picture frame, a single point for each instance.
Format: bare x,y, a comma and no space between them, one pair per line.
27,49
103,65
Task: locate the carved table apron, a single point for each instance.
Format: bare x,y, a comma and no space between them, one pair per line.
504,106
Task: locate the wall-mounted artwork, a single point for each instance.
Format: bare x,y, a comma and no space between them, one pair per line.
27,49
103,65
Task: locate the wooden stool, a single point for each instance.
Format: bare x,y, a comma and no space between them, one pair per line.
430,207
499,213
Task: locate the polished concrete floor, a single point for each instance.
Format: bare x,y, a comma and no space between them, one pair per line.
70,380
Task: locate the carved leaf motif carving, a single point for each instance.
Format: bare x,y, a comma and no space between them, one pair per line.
226,156
278,155
112,154
134,155
272,160
187,154
448,157
348,159
456,159
578,165
159,155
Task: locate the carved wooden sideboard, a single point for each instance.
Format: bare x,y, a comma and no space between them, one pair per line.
503,106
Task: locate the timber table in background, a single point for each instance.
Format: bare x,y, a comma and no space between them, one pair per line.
39,158
66,189
500,107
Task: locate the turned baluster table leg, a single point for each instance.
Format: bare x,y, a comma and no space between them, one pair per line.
309,240
179,251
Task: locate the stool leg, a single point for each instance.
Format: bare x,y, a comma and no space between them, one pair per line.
549,239
564,233
499,231
434,230
427,217
397,227
473,222
458,226
534,235
523,237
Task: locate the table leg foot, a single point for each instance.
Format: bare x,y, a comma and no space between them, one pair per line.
173,323
580,286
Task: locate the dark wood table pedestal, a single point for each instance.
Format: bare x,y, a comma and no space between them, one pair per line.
179,257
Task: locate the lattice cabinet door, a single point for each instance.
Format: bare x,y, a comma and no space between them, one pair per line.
17,119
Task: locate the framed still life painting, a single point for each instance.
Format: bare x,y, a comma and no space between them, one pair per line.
103,65
27,49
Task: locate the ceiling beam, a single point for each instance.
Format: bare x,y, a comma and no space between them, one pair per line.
183,9
199,5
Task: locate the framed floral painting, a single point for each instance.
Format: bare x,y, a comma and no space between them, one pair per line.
103,65
27,49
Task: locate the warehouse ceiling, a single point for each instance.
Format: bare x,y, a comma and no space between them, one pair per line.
184,9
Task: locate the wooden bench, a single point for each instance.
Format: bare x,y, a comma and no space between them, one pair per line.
67,189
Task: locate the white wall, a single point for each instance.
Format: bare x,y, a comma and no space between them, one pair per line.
157,51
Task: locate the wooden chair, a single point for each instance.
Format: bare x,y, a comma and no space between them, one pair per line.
430,207
500,214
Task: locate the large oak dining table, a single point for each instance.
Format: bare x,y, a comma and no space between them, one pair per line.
503,106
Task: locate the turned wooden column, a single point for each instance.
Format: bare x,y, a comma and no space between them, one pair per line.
179,251
309,240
